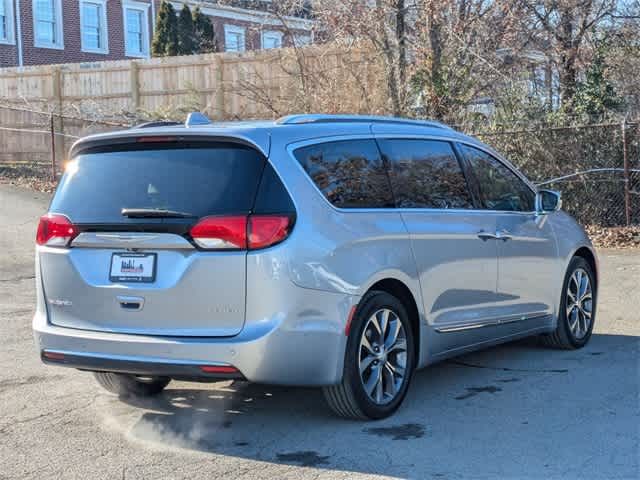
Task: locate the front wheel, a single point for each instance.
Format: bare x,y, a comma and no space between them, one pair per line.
379,360
577,312
131,385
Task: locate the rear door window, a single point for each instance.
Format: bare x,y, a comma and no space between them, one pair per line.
199,178
425,174
350,173
500,188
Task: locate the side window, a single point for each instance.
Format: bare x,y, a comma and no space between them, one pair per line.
349,173
501,189
425,174
272,196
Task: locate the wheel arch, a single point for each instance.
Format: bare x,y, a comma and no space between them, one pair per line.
590,257
402,292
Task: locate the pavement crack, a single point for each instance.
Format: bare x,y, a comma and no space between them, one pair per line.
59,413
31,380
17,279
21,311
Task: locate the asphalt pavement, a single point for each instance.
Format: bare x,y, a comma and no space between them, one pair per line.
515,411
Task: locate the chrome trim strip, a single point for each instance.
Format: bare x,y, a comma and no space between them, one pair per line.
492,323
471,326
492,341
126,240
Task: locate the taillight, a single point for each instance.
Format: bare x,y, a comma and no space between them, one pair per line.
267,230
55,230
221,232
240,232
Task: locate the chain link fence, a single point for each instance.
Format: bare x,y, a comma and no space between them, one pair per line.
35,143
596,167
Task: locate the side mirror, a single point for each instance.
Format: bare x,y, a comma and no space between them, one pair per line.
548,201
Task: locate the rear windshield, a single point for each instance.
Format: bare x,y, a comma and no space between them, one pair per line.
201,179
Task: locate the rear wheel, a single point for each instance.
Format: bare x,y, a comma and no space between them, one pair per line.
577,307
379,360
131,385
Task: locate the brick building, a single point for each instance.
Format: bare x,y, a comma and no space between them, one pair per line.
35,32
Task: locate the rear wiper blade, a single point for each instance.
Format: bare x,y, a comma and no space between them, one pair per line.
154,213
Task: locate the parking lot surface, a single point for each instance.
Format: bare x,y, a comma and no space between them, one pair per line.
514,411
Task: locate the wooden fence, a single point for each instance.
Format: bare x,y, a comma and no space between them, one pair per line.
223,84
249,85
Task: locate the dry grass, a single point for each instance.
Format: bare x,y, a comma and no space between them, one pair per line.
615,237
27,177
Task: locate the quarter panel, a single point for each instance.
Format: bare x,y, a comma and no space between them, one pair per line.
341,250
311,322
348,252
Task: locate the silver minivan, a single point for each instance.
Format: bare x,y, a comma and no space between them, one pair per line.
343,252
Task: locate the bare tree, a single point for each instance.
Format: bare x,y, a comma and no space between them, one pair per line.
562,28
623,54
383,25
457,52
440,58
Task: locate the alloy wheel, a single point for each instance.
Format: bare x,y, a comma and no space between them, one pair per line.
579,303
382,359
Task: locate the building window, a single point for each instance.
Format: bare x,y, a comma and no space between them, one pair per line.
6,21
271,39
93,25
47,22
302,40
234,39
136,28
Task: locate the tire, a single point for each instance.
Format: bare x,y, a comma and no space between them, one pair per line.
349,398
129,385
564,336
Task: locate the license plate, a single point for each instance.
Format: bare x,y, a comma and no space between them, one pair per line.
133,267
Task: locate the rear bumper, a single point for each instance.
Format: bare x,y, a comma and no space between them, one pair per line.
304,347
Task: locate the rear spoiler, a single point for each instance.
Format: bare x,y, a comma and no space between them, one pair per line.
258,139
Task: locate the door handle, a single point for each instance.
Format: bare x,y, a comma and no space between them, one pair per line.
484,236
131,303
503,235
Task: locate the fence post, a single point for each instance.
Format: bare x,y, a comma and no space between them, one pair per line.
219,93
625,163
135,86
52,126
57,106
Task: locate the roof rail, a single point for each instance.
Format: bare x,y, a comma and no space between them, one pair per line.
327,118
157,123
196,119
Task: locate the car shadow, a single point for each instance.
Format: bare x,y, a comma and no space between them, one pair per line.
503,403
